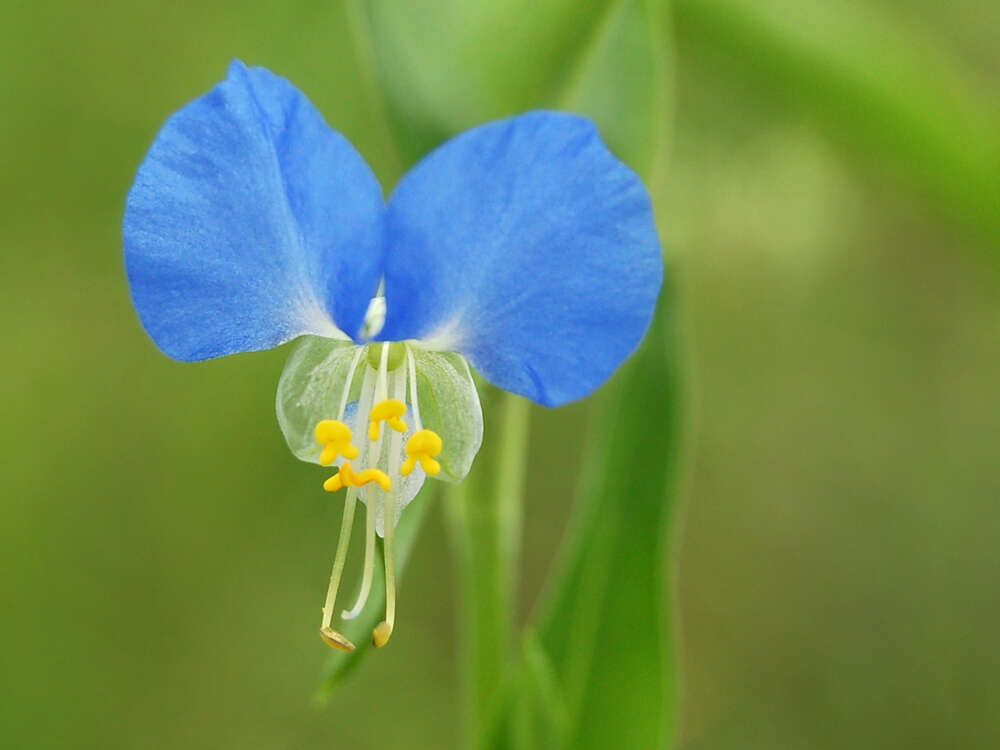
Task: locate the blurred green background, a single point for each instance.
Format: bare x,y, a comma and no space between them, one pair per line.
827,197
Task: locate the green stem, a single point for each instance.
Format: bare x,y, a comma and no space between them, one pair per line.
509,489
485,516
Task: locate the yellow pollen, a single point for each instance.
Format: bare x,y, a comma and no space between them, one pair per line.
347,478
422,446
388,411
335,437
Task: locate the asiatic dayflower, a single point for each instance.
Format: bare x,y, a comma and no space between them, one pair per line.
522,247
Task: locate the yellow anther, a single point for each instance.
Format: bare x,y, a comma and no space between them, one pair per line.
373,475
335,437
335,639
422,447
388,411
334,483
347,478
332,431
381,633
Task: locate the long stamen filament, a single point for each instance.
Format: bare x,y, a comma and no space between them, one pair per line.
341,557
331,636
411,366
390,568
369,565
382,631
382,389
374,452
387,391
367,391
350,381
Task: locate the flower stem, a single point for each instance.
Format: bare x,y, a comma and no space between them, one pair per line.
485,516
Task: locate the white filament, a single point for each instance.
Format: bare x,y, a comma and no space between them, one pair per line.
350,381
411,366
361,428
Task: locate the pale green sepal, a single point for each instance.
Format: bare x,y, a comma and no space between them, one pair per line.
310,390
449,405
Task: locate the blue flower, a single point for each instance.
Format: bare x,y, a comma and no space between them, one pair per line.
522,247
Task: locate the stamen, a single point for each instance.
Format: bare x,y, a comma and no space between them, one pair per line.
335,437
374,452
411,366
373,475
335,639
382,631
380,634
334,483
422,446
328,634
390,412
364,404
347,478
333,434
369,564
350,381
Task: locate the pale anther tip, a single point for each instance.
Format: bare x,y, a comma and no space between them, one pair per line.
381,633
335,639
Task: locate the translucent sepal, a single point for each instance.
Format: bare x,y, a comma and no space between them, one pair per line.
311,389
449,405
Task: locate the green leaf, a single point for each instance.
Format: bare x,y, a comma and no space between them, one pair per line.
310,389
447,65
868,80
547,718
602,628
341,664
484,516
623,81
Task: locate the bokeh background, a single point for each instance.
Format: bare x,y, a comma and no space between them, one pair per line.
829,213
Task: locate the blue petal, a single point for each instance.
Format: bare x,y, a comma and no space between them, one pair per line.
251,222
526,246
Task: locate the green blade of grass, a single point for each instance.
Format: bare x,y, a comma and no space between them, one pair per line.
868,81
602,626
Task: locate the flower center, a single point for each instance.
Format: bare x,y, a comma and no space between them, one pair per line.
382,399
397,355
